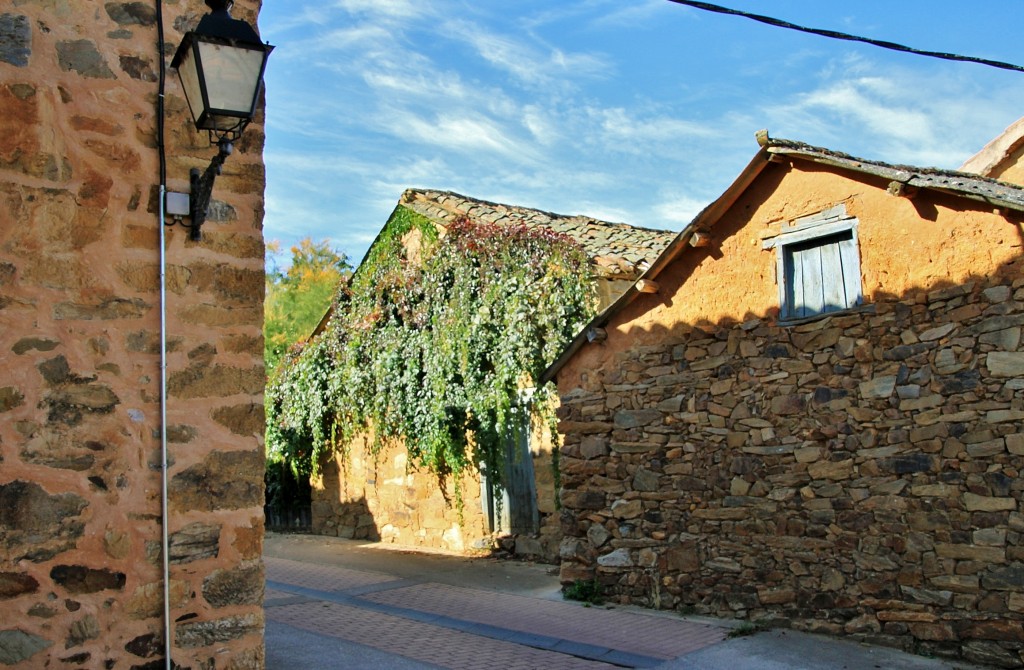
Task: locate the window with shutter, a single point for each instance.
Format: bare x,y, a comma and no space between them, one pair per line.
818,265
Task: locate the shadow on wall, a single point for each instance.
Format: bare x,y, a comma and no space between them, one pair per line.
846,475
350,519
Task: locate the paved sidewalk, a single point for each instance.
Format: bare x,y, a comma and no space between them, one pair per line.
334,603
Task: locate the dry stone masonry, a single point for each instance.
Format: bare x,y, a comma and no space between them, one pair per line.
80,513
857,475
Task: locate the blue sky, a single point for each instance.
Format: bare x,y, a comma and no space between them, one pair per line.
639,111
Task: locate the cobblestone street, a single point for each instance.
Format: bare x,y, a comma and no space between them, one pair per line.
334,603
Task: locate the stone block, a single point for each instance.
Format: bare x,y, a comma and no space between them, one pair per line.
879,387
1004,415
1005,578
627,419
597,535
1004,629
35,525
16,646
194,542
594,446
570,572
928,596
131,13
627,509
723,564
776,596
242,585
935,632
223,480
84,629
14,584
834,470
245,419
83,57
990,654
645,480
10,398
1005,363
192,634
78,579
15,39
970,552
788,405
201,381
619,558
977,503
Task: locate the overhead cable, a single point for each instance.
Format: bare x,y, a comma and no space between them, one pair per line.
846,36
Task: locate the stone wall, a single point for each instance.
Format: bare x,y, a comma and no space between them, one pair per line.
360,495
856,475
80,481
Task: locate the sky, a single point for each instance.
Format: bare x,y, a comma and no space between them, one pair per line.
633,111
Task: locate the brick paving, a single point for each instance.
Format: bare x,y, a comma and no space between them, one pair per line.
455,627
655,636
420,641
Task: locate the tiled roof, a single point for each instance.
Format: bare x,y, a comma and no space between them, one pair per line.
963,184
617,249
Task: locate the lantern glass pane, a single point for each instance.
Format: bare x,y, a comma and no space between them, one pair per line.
232,77
191,84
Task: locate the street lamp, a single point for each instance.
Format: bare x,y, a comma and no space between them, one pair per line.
220,65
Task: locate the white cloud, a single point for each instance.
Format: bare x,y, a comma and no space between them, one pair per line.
391,9
533,64
473,134
676,211
634,131
919,117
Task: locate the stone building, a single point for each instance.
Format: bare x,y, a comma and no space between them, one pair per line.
810,411
81,579
361,495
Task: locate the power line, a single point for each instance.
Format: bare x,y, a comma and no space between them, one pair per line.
846,36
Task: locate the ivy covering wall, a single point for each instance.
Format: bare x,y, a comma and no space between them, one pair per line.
433,343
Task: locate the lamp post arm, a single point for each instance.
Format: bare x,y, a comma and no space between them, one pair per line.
202,188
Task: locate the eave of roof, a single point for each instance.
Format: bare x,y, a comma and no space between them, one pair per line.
965,185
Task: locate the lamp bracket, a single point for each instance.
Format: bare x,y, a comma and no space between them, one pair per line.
202,188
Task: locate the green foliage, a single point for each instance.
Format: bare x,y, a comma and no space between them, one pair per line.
297,299
747,628
433,342
589,592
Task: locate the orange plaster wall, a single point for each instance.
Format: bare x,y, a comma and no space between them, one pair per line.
1011,168
906,245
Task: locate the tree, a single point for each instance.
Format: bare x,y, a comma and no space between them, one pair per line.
297,298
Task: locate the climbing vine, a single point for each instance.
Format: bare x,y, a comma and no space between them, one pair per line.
434,346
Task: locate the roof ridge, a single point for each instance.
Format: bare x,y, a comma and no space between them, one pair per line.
428,192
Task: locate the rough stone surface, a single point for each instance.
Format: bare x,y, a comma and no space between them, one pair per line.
15,39
131,13
240,586
80,413
82,57
14,584
205,633
224,480
35,525
77,579
866,480
17,646
194,542
241,419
